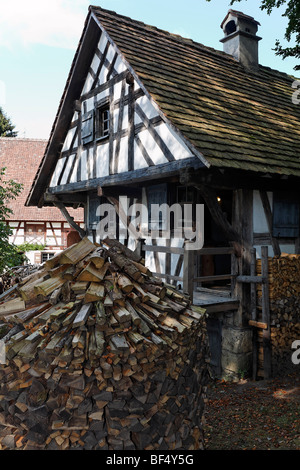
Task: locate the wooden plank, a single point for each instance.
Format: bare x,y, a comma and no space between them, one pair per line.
226,250
163,249
219,277
221,307
250,279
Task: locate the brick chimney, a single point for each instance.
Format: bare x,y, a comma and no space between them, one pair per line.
240,39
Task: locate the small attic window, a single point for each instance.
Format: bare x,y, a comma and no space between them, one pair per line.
230,27
102,122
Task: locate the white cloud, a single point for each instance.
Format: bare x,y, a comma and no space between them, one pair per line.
57,23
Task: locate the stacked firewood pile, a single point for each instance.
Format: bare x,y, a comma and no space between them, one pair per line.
15,275
101,355
284,297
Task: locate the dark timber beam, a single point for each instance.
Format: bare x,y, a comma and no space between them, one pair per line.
136,193
69,219
71,199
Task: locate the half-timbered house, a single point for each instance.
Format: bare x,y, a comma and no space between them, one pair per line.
158,118
44,229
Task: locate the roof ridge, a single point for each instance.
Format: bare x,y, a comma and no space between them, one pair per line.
190,41
178,37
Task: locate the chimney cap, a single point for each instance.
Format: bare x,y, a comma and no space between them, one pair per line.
239,14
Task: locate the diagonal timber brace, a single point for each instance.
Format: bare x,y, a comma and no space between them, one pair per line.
69,219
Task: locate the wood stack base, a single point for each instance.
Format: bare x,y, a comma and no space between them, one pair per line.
127,372
284,287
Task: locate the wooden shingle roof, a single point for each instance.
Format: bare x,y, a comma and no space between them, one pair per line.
236,118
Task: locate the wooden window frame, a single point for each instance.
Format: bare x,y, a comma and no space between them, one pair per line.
102,121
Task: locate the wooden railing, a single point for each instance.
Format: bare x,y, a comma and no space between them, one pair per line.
189,262
169,251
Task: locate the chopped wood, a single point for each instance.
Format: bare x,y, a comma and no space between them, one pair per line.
125,283
110,358
95,292
91,273
11,306
77,252
49,285
133,256
82,315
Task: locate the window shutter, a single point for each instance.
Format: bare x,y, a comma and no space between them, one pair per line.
87,127
285,217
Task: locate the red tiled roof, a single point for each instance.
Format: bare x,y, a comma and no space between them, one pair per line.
21,158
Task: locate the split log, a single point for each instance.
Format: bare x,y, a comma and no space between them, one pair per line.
94,293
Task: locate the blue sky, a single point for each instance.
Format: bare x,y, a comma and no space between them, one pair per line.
38,39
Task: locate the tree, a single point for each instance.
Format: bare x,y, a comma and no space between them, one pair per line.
6,127
292,32
9,190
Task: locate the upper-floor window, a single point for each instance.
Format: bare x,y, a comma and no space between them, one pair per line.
95,123
102,122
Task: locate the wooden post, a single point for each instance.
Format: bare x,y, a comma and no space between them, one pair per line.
253,285
188,272
242,221
234,273
253,314
266,313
